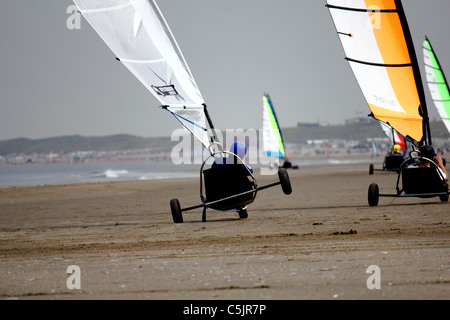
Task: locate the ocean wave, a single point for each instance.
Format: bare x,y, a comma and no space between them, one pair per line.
112,174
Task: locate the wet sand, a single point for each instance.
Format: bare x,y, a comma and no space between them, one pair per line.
316,243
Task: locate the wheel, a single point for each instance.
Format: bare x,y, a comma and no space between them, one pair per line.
371,168
444,198
444,162
373,195
285,182
176,211
243,214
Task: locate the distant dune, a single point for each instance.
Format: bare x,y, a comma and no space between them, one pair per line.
118,142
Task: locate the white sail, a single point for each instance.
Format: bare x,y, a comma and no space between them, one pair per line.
273,144
137,33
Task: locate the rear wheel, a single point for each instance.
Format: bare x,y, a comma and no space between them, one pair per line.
176,211
371,168
243,214
285,182
373,195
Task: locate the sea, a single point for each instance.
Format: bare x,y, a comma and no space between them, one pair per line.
43,174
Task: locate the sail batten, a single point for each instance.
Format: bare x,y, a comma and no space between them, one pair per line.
379,64
377,45
139,36
330,6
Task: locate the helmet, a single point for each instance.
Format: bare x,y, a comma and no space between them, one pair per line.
239,148
396,148
427,151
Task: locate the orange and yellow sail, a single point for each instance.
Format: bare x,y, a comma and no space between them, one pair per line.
377,44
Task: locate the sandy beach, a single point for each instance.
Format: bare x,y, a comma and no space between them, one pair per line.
316,243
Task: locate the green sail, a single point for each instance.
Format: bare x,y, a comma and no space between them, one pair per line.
437,83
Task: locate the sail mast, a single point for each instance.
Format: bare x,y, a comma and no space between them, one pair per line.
210,124
416,70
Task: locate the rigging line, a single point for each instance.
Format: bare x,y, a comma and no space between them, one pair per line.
379,64
187,120
330,6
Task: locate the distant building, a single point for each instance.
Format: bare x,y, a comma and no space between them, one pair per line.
307,124
367,120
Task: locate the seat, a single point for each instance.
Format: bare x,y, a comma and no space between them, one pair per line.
227,180
423,181
393,162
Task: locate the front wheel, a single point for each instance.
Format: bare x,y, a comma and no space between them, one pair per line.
373,195
176,211
284,180
444,198
371,168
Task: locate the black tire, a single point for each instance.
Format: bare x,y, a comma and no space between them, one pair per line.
444,162
176,211
243,214
444,198
371,168
285,182
373,195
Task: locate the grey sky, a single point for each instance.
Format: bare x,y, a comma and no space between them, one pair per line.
55,81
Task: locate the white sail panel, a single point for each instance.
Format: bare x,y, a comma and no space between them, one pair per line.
375,86
137,33
193,120
356,35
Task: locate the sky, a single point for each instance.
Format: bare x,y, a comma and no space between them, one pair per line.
57,81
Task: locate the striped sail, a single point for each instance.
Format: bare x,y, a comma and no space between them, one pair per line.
437,83
393,136
137,33
273,144
377,44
